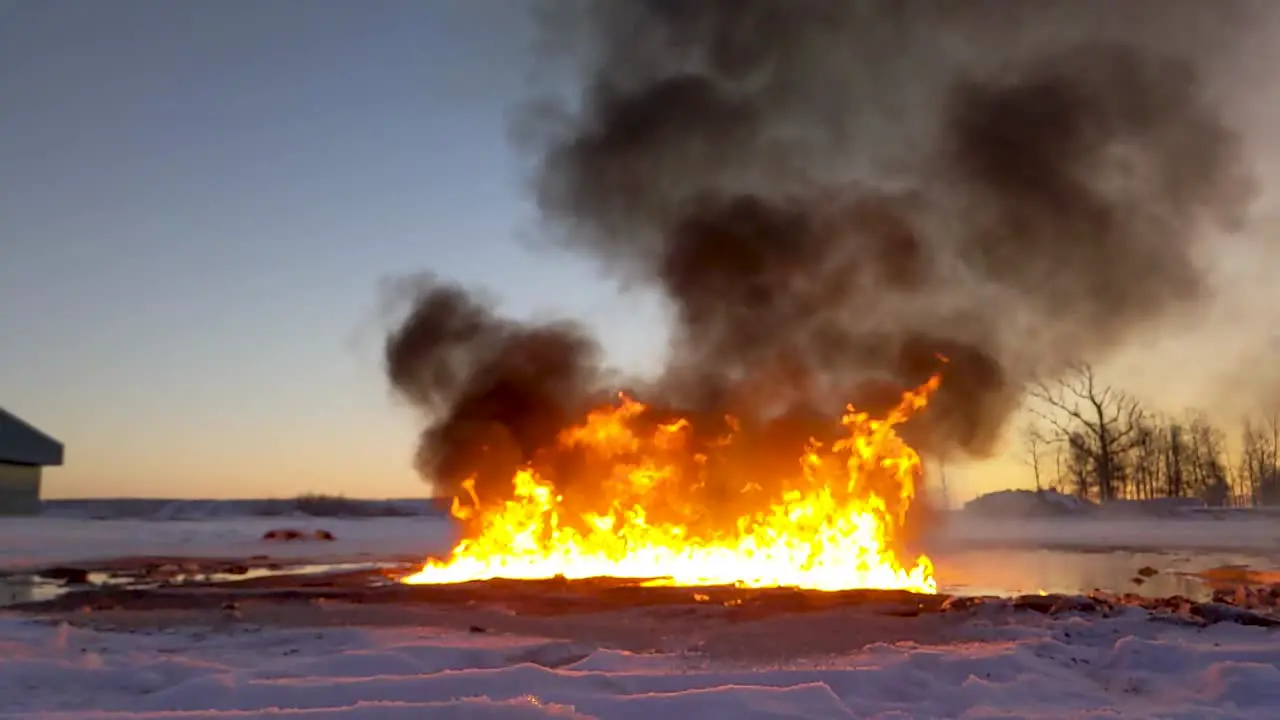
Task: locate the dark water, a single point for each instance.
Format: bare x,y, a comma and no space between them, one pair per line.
28,588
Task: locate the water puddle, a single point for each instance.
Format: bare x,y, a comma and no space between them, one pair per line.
1193,575
55,582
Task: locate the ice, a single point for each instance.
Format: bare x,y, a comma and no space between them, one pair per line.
1023,666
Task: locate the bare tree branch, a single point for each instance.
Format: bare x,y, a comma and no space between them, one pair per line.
1095,420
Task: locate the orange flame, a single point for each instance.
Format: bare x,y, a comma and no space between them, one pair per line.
833,527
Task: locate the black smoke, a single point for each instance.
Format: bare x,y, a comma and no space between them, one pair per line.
836,197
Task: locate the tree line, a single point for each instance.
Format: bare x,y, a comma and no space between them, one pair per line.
1091,440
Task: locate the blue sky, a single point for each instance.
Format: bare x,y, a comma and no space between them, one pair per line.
200,203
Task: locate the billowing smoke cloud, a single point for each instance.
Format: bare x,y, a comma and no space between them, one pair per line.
835,195
499,391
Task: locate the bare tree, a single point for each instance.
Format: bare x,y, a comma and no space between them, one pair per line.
1145,460
1099,424
1059,469
1035,442
1271,481
1259,466
1206,452
1175,453
1078,467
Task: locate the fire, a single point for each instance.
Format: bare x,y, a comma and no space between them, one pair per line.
833,526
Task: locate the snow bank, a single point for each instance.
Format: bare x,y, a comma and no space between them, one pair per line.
1027,503
1255,533
1029,667
1028,519
1158,507
1043,503
1051,503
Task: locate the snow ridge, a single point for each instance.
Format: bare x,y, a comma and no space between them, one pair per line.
1023,667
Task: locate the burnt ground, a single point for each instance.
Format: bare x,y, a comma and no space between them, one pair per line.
722,623
717,623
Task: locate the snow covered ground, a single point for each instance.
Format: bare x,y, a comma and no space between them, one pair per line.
32,542
1029,666
1008,665
1242,532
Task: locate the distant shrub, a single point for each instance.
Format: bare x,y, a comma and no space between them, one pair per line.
322,505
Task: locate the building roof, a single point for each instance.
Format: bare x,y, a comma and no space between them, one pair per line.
22,444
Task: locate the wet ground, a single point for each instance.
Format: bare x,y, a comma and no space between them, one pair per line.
147,574
1191,574
721,623
716,623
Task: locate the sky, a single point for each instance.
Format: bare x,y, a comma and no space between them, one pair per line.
202,204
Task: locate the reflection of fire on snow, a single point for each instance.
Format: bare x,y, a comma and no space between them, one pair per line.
837,525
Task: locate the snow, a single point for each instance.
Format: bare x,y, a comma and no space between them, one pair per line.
1022,665
1020,503
1002,664
1240,532
31,542
1040,503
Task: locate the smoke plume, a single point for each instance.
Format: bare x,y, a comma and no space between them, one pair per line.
834,197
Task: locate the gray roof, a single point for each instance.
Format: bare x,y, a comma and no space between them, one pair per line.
22,444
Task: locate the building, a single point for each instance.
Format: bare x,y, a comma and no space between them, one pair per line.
24,451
